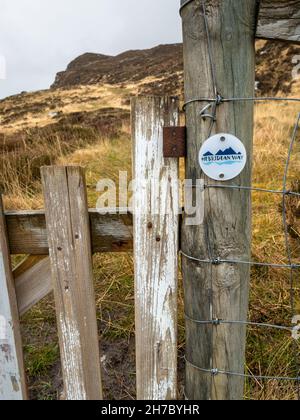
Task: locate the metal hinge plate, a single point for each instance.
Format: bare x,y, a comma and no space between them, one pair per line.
174,142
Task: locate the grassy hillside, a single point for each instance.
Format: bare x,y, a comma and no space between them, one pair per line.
89,126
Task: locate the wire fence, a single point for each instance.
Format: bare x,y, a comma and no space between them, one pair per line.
209,111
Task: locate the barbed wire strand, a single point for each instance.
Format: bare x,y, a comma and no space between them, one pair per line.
213,116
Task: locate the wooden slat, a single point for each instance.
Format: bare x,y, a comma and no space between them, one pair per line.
27,264
28,235
32,281
279,19
12,373
69,238
155,249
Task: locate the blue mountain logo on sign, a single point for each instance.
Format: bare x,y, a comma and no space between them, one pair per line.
223,157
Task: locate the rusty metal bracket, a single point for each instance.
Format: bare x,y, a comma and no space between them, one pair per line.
174,142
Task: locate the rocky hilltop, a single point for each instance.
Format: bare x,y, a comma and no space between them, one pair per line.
165,62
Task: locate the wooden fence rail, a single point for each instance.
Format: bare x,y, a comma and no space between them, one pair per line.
27,232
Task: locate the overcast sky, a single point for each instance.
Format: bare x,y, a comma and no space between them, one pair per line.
38,38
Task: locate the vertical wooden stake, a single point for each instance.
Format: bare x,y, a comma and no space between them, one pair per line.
155,249
12,373
72,276
218,291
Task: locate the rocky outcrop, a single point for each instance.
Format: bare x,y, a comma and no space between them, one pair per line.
163,67
130,67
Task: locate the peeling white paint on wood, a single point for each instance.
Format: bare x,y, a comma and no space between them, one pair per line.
12,374
72,355
10,388
155,249
68,228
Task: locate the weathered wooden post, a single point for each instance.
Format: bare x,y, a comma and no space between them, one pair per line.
70,249
156,229
12,372
219,59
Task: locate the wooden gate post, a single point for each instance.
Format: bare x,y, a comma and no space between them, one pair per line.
218,291
12,372
68,228
155,248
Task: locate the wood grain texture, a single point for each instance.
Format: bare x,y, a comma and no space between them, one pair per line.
155,249
276,19
27,232
218,291
28,235
279,19
68,228
12,373
32,281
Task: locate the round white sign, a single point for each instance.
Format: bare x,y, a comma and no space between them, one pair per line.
223,157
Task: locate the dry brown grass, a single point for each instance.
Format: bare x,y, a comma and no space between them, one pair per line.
36,109
268,352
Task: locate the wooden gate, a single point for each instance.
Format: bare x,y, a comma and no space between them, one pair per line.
60,242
